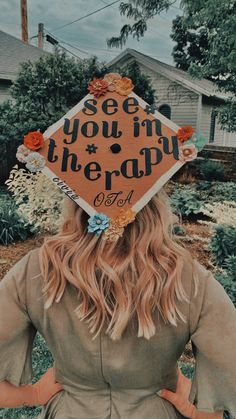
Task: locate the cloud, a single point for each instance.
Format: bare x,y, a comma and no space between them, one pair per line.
91,33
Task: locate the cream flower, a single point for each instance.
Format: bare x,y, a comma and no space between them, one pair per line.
187,152
111,79
22,153
113,233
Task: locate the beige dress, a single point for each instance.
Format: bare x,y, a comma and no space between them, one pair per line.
103,379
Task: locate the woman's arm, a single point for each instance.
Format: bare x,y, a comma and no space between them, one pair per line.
31,395
180,399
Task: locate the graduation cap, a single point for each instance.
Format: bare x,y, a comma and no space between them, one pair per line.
111,153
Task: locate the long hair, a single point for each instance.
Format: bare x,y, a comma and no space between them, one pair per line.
135,276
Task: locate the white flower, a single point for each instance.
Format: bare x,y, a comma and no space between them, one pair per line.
111,79
35,162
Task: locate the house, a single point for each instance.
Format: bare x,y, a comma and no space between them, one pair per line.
13,52
186,101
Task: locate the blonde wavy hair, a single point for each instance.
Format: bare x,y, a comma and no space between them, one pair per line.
117,281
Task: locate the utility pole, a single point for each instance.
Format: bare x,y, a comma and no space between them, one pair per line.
40,35
24,22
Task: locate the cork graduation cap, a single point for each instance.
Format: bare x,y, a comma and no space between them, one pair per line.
111,153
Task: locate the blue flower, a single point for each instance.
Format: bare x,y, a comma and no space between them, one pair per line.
35,162
98,223
198,140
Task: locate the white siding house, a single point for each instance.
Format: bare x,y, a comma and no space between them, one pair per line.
185,100
12,53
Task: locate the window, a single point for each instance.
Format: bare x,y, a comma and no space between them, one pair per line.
165,110
212,126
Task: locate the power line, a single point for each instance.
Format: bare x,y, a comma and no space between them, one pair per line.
66,43
85,16
70,52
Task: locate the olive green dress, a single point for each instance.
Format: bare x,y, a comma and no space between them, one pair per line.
103,379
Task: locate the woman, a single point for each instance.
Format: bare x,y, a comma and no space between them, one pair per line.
116,317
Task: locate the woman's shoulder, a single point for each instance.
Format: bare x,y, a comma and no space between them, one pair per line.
27,268
208,295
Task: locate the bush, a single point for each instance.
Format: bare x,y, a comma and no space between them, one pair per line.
221,213
212,170
187,369
222,243
224,191
178,230
217,191
185,202
228,277
37,198
13,226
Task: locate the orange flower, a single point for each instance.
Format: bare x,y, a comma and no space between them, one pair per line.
116,226
125,217
187,152
185,133
34,140
111,79
124,86
98,87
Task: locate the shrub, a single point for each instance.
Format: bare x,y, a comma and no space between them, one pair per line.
178,230
216,191
222,243
212,170
224,191
37,198
13,226
185,202
228,277
222,213
187,369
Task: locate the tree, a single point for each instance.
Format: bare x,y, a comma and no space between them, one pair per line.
213,22
207,42
191,45
141,11
43,92
142,83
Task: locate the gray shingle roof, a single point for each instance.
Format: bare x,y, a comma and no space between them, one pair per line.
13,52
203,86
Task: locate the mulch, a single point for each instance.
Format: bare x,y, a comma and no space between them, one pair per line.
9,255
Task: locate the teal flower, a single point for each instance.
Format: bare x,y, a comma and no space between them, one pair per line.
98,223
35,162
198,140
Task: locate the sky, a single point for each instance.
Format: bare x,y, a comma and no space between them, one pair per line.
88,37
